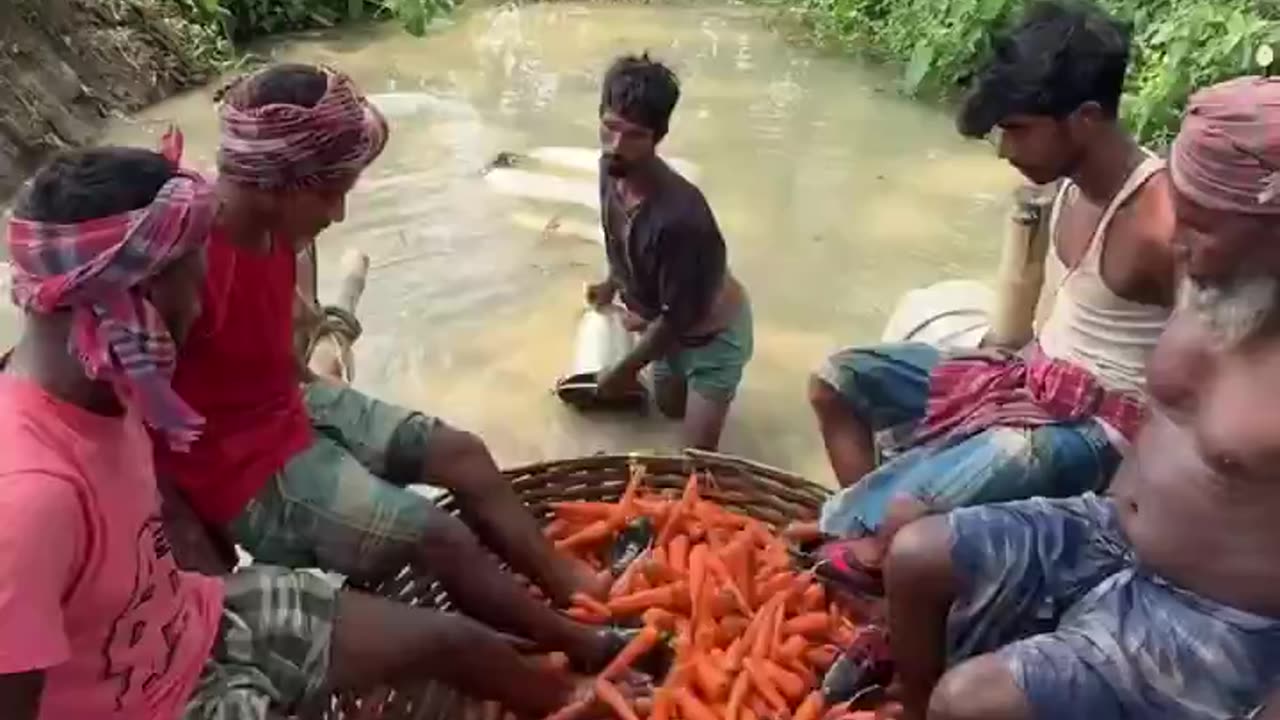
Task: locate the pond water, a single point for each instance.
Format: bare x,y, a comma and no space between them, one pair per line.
835,193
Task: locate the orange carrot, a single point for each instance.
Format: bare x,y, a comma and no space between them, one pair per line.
678,553
811,708
812,625
592,534
792,685
732,627
718,568
737,696
792,650
762,643
582,512
642,643
748,714
814,598
765,684
627,578
582,614
659,618
775,584
663,597
612,697
662,702
697,582
821,657
737,650
713,681
691,708
780,614
584,600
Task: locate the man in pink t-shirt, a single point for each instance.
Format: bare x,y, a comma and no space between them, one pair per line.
96,618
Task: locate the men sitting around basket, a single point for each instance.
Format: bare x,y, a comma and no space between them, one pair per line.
1053,418
1162,600
311,473
667,261
96,619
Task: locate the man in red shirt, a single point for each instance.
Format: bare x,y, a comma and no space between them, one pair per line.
96,618
310,473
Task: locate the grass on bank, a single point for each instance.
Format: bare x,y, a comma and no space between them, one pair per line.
1179,45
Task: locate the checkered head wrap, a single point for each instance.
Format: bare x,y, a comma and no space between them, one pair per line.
284,147
96,269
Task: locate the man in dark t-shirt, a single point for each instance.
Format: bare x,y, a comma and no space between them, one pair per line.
667,260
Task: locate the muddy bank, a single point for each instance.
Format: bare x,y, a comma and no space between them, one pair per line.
65,65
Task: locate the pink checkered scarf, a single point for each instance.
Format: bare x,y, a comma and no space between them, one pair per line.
95,269
282,147
975,391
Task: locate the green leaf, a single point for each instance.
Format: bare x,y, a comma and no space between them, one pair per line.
355,9
918,68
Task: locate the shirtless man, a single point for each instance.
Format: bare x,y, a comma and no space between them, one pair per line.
305,472
667,259
1052,420
1162,600
96,619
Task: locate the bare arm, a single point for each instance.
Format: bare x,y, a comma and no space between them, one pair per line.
20,694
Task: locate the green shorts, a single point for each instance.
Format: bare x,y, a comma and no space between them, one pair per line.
272,651
713,370
342,505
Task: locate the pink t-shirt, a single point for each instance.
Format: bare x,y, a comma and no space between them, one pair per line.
89,591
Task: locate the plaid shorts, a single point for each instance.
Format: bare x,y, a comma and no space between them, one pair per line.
272,651
341,505
1054,590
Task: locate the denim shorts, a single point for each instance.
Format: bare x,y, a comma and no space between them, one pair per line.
887,386
1053,588
713,370
342,504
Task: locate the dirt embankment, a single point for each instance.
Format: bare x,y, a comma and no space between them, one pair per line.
65,65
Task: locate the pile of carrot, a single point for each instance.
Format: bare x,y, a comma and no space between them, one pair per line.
752,637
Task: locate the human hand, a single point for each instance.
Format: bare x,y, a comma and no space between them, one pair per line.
615,382
601,293
633,322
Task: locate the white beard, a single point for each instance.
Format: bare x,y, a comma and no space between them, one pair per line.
1234,310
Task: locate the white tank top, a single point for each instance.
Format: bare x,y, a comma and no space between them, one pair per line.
1090,325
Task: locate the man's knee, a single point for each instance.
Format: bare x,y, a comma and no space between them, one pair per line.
979,689
824,398
450,451
919,559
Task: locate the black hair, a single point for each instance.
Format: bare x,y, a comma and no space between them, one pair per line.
283,84
81,185
1061,55
641,90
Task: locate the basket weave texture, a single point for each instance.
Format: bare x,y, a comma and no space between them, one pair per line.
768,494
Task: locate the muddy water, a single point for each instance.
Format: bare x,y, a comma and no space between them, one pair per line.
836,195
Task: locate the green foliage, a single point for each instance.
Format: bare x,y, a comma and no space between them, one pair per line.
239,21
1179,45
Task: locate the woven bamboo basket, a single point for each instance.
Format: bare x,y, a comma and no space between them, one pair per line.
773,496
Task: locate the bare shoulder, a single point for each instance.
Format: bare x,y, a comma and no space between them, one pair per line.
1139,261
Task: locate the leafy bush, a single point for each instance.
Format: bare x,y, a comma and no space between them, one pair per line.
242,20
1179,45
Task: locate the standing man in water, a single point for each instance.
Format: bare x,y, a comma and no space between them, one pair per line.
1161,601
1053,418
667,260
310,473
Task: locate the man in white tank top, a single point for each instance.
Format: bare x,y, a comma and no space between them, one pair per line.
1052,419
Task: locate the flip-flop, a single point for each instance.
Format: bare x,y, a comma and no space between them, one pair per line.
837,565
863,671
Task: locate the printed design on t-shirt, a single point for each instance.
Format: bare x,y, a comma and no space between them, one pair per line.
154,611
